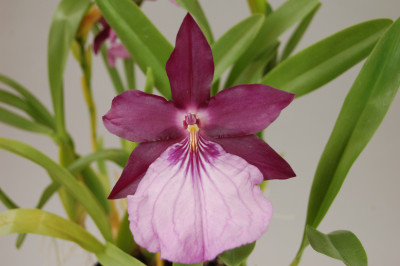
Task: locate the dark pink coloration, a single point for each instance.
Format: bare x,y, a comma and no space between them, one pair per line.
192,182
190,67
116,50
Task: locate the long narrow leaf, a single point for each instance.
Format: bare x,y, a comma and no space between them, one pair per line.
44,223
149,85
298,33
14,101
113,256
39,110
234,42
325,60
46,195
275,25
254,71
363,111
20,122
9,203
118,156
147,46
237,256
95,185
124,238
64,178
194,8
65,23
342,245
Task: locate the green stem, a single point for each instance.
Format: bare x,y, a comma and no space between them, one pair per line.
304,244
87,92
129,68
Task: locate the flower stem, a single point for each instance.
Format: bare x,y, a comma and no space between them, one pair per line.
129,68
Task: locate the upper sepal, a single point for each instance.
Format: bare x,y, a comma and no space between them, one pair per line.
190,67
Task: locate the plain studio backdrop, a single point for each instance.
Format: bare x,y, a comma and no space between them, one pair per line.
366,205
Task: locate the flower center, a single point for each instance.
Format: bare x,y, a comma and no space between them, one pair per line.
191,122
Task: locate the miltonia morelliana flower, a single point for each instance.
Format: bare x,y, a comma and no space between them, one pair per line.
192,182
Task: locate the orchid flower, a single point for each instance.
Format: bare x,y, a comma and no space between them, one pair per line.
116,50
192,182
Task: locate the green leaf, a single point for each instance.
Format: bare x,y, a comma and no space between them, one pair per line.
148,87
254,71
124,238
9,203
118,156
38,109
129,68
64,178
274,25
234,42
64,25
235,257
342,245
47,193
14,101
20,122
194,8
298,33
326,59
257,6
94,184
44,223
363,110
147,46
113,256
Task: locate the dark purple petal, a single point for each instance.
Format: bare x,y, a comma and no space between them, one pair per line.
243,110
190,67
142,117
101,37
140,159
258,153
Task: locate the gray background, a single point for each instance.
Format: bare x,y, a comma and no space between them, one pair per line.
366,205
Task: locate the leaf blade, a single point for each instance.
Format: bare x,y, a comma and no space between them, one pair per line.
147,46
274,25
64,25
63,177
113,256
342,245
194,8
298,33
363,110
325,60
235,257
44,223
234,42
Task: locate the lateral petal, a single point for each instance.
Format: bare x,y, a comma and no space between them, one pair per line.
193,206
243,110
142,117
258,153
190,67
142,156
